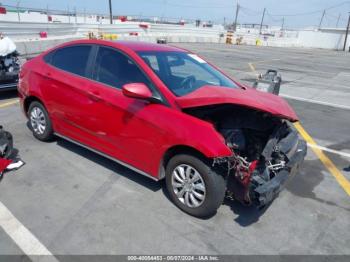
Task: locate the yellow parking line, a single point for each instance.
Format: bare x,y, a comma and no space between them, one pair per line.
252,67
343,182
9,103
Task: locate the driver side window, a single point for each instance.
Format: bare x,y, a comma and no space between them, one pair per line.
189,67
115,69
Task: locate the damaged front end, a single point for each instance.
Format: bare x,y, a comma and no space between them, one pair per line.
259,181
266,151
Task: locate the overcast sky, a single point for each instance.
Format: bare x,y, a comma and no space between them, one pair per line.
297,13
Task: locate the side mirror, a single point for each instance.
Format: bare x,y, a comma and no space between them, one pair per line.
137,90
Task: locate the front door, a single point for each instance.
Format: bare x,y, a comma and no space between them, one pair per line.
125,126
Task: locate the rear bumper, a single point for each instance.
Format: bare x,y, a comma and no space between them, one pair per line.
266,192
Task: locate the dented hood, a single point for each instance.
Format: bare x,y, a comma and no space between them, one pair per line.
247,97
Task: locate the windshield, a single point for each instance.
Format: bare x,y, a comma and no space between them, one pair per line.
183,73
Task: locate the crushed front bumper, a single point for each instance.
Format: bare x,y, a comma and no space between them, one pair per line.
267,191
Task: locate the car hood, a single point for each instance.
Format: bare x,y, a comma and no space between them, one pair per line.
247,97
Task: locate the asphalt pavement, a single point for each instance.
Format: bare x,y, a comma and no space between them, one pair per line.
76,202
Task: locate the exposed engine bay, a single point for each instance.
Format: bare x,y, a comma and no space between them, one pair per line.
9,63
9,69
264,150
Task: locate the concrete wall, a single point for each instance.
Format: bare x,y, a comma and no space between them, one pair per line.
28,33
29,48
324,38
319,39
22,30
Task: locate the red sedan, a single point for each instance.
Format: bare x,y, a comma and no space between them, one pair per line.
165,113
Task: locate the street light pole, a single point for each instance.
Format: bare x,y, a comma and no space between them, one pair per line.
110,12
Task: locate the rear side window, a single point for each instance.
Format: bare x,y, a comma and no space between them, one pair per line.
72,59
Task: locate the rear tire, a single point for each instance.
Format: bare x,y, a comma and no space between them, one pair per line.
40,122
194,186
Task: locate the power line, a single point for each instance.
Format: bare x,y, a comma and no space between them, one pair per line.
323,14
272,18
314,12
336,17
201,6
336,26
249,11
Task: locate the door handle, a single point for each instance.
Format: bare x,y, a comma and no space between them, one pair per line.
94,96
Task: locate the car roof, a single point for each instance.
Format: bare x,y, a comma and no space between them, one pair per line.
133,45
146,46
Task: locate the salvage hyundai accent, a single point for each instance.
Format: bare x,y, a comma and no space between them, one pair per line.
165,113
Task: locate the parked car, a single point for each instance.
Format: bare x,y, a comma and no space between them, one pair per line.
165,113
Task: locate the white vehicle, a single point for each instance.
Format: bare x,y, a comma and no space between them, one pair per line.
7,46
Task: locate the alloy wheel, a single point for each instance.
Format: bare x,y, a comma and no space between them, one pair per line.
38,121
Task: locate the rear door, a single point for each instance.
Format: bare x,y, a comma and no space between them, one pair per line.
67,93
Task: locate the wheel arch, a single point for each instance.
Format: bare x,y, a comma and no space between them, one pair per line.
175,150
30,99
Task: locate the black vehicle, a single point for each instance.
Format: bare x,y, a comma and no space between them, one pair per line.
9,70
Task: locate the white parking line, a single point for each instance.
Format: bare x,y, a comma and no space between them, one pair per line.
316,101
340,153
24,239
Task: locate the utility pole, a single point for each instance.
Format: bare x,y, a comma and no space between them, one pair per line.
68,12
47,12
336,26
19,17
323,14
346,33
110,12
262,20
236,18
75,15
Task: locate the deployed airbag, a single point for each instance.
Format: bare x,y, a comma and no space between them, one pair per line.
7,46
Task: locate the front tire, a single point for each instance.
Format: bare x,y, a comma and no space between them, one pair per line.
194,186
40,122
